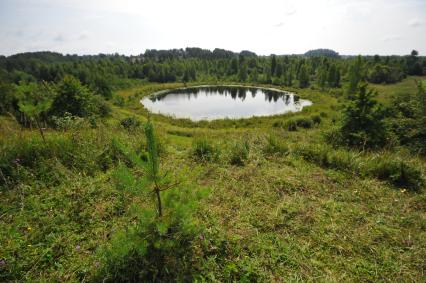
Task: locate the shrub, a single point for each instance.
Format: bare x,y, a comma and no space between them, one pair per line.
155,249
363,121
316,119
398,172
33,160
75,98
130,123
304,122
203,150
239,153
291,125
277,124
275,146
180,133
333,136
118,100
65,122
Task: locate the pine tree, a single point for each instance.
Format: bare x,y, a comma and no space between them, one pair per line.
354,75
303,77
273,65
153,164
363,121
34,101
321,77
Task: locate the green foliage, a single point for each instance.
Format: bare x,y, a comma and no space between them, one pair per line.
316,119
155,249
73,97
8,99
384,74
239,153
130,123
275,146
34,101
355,75
363,122
303,76
291,125
153,158
409,121
118,100
204,150
66,122
25,159
304,122
400,173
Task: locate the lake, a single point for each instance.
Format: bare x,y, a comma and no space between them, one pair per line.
220,102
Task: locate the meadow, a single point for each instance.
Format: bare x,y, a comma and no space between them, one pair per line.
271,202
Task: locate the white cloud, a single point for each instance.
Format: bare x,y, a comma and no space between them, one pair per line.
265,27
415,22
391,38
59,38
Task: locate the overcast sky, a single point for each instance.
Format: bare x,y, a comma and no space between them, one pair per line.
263,26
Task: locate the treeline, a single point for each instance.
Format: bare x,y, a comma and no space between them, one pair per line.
322,67
30,78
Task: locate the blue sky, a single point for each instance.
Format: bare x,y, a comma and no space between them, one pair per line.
268,26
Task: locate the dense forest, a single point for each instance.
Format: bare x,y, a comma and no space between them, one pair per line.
95,188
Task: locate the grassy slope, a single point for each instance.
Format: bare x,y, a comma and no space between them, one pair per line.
278,218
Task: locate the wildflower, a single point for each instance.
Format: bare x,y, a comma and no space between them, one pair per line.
29,228
29,245
2,262
77,247
403,190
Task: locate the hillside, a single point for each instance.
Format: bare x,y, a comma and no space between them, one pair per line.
294,209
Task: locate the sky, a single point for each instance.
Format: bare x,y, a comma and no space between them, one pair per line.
129,27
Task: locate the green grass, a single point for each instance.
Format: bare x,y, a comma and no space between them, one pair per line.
277,216
406,86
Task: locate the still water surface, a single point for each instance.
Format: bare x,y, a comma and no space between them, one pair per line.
219,102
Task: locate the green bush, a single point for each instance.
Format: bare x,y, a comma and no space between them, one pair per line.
118,100
34,160
363,123
316,119
203,150
130,123
398,172
239,153
277,124
304,122
275,146
291,125
73,97
155,249
294,123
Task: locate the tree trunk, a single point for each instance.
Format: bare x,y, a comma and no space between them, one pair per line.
160,209
40,129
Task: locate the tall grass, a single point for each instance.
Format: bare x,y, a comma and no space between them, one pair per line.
398,172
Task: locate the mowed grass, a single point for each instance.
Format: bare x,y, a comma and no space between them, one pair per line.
276,218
